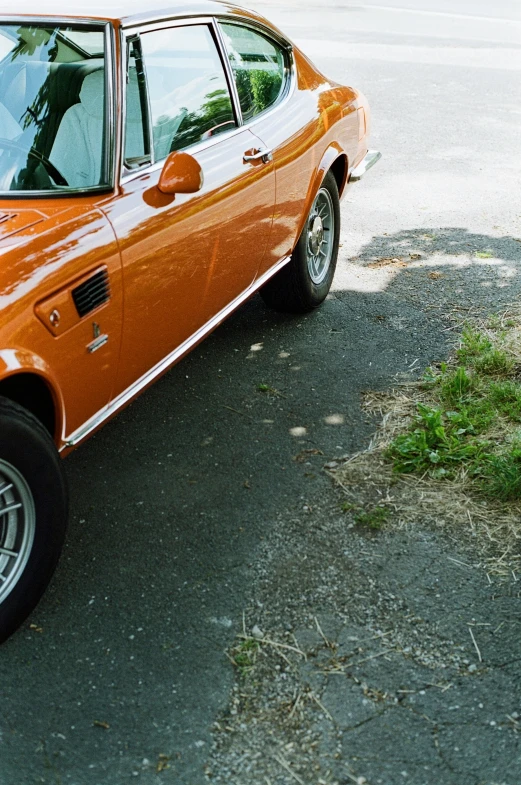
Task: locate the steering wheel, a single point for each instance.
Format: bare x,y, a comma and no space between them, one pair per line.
58,178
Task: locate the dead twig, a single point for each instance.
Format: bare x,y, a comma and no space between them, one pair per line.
321,633
475,645
321,706
277,645
285,765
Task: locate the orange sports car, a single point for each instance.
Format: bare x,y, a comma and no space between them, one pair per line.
156,169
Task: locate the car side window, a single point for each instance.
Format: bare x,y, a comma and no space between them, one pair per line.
188,93
258,65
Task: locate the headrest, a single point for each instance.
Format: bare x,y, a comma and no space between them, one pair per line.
92,93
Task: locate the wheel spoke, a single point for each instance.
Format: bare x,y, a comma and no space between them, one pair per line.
10,508
7,552
5,488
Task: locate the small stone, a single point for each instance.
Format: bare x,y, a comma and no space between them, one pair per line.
257,633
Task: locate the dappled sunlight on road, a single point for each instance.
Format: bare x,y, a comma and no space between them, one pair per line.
494,261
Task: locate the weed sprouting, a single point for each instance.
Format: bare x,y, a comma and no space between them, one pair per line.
440,439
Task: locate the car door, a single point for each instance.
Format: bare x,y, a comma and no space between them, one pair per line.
185,257
282,114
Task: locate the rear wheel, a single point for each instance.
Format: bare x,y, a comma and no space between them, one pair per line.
304,283
33,513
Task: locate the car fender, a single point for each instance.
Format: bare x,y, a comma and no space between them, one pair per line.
333,152
17,361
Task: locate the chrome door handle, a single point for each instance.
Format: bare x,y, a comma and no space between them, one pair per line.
261,155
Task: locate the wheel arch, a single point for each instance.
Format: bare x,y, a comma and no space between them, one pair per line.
339,169
335,161
25,380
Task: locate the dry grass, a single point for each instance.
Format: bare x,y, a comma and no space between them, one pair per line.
456,504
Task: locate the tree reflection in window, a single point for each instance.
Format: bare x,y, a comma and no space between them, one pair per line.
213,117
258,68
189,96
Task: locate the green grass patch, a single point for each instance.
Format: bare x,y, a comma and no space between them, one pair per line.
466,425
473,344
373,518
502,476
244,655
505,397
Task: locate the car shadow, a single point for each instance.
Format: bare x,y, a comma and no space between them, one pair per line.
172,502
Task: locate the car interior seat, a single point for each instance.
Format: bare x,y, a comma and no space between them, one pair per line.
77,151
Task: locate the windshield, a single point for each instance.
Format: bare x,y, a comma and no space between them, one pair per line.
52,108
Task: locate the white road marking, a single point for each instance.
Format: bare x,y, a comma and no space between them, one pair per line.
420,12
466,57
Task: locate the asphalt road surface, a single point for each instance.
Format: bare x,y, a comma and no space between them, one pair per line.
124,659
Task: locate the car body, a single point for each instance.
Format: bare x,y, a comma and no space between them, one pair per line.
156,169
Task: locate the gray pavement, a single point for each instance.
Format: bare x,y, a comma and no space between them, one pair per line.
188,509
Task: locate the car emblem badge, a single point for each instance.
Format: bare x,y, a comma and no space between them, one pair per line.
99,339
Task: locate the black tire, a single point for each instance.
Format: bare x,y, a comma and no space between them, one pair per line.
293,289
36,523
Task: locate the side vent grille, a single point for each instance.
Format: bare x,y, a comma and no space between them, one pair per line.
92,293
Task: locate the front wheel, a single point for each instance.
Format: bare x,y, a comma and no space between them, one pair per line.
33,513
304,283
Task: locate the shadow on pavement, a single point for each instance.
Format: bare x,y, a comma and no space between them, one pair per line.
172,502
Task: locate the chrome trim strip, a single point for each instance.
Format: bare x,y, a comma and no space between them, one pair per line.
53,20
225,60
126,396
160,22
97,343
87,191
371,158
110,107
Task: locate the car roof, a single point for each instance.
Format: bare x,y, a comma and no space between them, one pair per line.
124,11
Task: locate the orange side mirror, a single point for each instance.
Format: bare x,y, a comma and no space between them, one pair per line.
181,175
